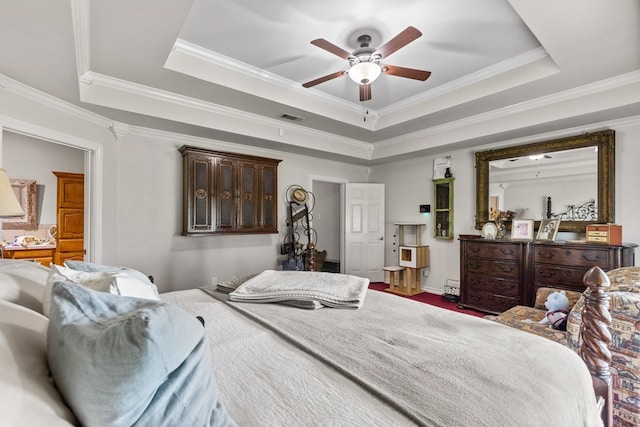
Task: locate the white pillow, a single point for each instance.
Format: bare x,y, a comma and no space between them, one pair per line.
27,394
23,283
118,283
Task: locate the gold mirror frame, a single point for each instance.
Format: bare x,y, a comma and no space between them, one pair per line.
604,140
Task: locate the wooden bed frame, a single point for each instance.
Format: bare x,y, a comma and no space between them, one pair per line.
596,338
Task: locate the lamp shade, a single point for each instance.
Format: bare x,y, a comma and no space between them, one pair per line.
364,72
9,205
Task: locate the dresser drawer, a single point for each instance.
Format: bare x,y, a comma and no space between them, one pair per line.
575,257
504,269
477,282
551,276
487,301
506,251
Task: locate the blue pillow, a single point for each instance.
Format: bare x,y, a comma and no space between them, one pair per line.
121,361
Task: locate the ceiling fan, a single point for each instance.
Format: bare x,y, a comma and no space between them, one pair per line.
365,62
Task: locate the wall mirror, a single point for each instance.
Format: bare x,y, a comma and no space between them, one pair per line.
26,193
570,178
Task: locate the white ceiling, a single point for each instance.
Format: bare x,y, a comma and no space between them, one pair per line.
229,69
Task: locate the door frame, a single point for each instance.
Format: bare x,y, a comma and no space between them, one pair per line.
93,176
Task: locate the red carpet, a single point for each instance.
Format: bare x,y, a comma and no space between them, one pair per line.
431,299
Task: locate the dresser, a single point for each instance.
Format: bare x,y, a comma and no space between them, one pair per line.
496,275
41,253
491,274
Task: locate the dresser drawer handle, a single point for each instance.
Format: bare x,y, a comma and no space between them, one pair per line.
594,258
506,251
474,264
474,249
507,268
547,255
546,274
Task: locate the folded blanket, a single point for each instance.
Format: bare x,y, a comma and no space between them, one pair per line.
305,289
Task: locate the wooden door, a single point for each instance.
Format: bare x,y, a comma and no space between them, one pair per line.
70,217
225,195
248,197
268,201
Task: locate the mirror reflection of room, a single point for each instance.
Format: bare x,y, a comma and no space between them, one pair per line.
526,184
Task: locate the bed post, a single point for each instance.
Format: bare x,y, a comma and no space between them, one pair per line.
596,338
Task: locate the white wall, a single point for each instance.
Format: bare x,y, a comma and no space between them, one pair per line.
326,217
408,185
149,188
137,179
25,157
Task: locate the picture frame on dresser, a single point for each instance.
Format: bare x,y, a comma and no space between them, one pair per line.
548,230
522,229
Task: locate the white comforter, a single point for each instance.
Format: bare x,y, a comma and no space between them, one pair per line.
394,362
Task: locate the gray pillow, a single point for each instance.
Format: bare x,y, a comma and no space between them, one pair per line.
121,361
101,268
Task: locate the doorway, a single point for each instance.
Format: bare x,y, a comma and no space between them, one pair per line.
326,220
28,150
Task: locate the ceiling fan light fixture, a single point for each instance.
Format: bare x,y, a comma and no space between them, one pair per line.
364,72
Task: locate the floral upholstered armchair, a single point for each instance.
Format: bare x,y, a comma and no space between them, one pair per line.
528,318
624,294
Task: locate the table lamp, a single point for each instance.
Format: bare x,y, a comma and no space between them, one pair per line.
9,204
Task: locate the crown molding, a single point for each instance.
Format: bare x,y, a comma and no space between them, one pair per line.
180,139
51,101
103,90
80,13
570,95
462,83
208,56
195,61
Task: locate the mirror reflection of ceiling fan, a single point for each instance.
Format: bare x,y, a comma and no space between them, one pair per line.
365,63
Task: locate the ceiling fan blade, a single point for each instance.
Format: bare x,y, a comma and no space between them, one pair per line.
330,47
324,79
399,41
365,92
409,73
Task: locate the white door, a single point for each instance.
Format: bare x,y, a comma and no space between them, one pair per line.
364,231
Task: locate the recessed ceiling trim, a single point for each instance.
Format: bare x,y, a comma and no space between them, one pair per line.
82,34
35,95
542,68
463,83
610,93
202,63
193,60
128,96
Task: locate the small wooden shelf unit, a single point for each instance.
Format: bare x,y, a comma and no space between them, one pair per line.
404,278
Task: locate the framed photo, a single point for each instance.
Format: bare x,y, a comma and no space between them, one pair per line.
522,229
548,229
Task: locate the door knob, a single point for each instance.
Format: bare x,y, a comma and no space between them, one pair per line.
381,238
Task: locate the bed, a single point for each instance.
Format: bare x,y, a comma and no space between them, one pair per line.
380,360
